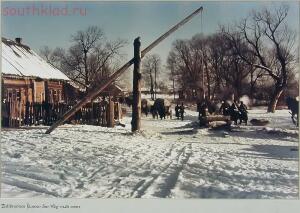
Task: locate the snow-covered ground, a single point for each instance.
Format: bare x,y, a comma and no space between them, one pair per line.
168,159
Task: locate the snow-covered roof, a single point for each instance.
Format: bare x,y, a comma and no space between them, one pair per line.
20,60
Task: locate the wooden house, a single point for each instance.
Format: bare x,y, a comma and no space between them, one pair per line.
35,92
27,83
27,77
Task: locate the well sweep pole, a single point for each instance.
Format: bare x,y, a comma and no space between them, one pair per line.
94,93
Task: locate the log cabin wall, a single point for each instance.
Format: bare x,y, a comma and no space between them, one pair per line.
17,89
19,92
28,101
54,91
32,90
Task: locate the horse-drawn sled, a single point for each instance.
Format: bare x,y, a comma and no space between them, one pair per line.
226,114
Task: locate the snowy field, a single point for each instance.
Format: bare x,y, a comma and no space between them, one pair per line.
169,159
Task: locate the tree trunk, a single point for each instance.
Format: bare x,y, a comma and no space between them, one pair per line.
208,82
174,88
155,85
251,86
151,86
86,80
275,97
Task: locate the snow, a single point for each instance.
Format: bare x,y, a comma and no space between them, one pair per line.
168,159
18,60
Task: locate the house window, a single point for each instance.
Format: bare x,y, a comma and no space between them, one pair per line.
14,96
55,96
18,95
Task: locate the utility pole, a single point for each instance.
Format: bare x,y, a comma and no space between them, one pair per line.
136,106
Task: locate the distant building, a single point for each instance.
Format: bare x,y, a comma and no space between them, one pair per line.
114,90
26,77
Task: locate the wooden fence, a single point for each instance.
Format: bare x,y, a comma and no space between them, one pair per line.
16,113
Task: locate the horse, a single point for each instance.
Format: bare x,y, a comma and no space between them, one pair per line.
293,105
154,112
145,107
161,107
129,101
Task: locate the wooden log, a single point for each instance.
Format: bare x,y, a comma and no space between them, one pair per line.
205,120
136,105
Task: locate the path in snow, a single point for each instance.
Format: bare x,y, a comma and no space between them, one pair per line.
169,159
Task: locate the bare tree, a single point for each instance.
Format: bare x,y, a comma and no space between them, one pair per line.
89,60
46,53
151,66
52,56
208,64
84,43
171,63
271,43
185,59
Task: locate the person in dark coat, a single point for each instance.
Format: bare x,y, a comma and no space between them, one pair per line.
243,107
243,113
177,111
202,109
224,108
234,113
233,107
181,110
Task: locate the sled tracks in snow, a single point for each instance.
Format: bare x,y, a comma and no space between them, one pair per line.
162,183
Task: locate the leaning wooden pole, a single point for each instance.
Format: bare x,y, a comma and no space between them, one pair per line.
136,91
95,92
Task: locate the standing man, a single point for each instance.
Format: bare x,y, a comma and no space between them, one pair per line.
243,107
224,108
177,111
182,111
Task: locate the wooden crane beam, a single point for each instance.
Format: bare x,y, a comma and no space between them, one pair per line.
97,90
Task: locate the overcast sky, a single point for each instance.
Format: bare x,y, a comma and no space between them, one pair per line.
126,20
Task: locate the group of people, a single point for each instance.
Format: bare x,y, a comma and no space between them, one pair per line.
234,111
179,111
206,107
227,109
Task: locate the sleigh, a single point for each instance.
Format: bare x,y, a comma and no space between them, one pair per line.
206,120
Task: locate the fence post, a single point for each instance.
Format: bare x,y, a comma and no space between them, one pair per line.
136,106
111,114
20,113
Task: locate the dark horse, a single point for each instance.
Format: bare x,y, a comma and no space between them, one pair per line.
293,105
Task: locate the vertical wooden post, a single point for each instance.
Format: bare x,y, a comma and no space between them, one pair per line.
136,106
111,114
20,112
